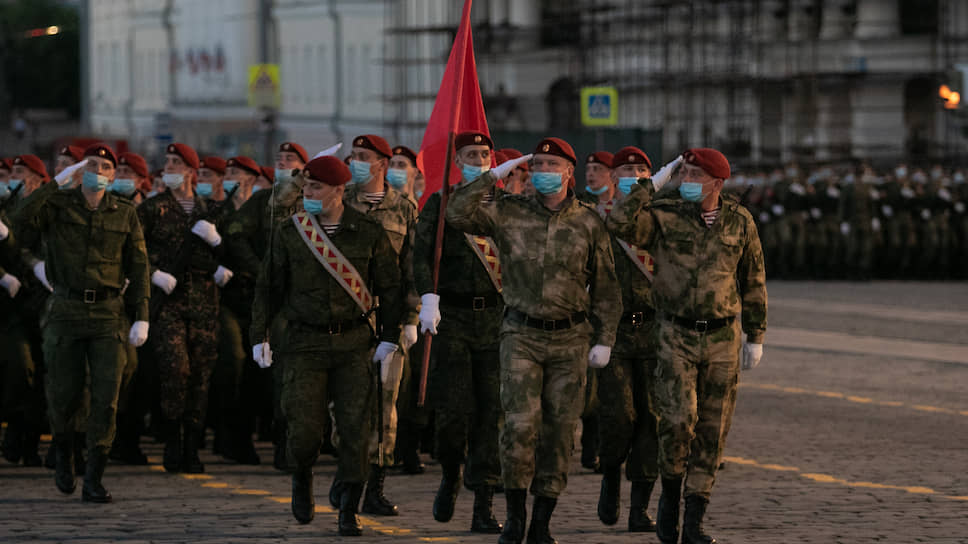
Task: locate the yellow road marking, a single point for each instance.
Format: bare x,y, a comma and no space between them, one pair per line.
197,476
251,492
854,399
828,479
216,485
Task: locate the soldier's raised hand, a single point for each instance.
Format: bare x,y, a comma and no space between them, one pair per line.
67,174
206,231
665,173
11,284
599,355
429,312
138,333
165,281
502,170
329,151
40,272
262,355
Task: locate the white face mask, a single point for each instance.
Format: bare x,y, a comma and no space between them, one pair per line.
173,181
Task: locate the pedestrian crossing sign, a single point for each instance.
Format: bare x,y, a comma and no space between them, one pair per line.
264,90
599,106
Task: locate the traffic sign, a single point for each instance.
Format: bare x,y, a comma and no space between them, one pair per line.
264,90
599,106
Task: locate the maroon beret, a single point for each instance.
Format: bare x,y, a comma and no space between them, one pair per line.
600,157
406,152
6,164
136,162
374,143
500,158
216,164
103,151
268,172
711,161
245,163
328,170
472,138
33,163
186,153
631,155
71,151
293,147
557,147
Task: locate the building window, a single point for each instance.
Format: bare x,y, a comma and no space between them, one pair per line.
919,16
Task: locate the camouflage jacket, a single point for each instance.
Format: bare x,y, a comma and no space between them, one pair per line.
554,263
398,216
89,249
295,286
700,272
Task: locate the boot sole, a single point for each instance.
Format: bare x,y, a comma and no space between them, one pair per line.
96,500
66,491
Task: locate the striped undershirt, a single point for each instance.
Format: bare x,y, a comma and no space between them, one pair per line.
187,204
710,217
374,198
329,228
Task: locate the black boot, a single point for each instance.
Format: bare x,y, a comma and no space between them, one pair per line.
483,520
349,503
30,444
13,439
447,493
538,531
513,532
191,464
375,502
64,463
639,520
335,492
93,491
172,459
609,497
303,502
279,450
50,461
127,443
589,443
692,532
667,522
80,447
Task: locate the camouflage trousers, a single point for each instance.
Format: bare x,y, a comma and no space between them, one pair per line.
75,351
542,393
391,391
310,382
465,389
185,350
627,432
21,374
696,377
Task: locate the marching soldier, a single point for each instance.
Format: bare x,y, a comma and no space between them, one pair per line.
133,179
708,268
599,186
211,172
627,425
372,196
561,296
183,249
402,172
68,155
94,243
324,262
465,387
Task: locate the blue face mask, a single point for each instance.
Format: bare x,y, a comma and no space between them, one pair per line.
598,191
4,191
14,183
173,181
282,174
361,171
204,190
397,178
311,206
122,186
94,182
625,184
691,191
471,172
546,183
419,194
229,185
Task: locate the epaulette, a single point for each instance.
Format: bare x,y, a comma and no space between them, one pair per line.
667,203
730,196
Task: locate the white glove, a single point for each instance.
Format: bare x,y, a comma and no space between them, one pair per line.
138,334
925,214
816,213
11,284
599,355
40,271
409,336
66,174
222,276
502,170
665,174
329,151
752,353
164,280
845,228
876,224
262,355
206,231
384,354
429,312
4,231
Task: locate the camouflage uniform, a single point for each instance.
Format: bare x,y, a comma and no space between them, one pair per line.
185,326
557,265
707,274
858,203
464,383
327,344
398,216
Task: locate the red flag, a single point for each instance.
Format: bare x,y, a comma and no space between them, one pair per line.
458,108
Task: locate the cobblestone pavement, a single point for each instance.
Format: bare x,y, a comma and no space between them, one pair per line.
854,429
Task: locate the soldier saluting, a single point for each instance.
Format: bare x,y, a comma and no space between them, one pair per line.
708,268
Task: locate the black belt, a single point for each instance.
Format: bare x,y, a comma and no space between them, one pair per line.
335,328
88,296
545,324
700,325
638,318
476,303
